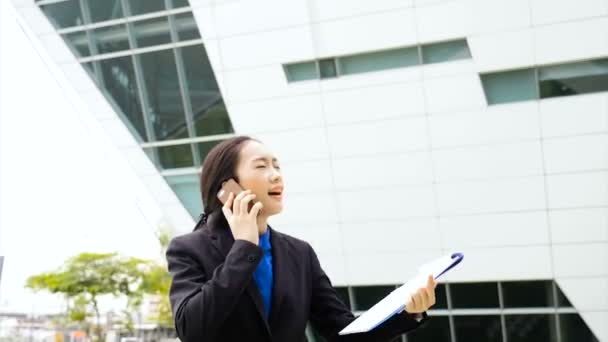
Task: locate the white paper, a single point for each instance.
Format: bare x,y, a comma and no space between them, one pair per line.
395,301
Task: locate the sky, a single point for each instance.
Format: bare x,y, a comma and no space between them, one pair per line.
64,188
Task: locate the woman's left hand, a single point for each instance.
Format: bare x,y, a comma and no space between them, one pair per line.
423,299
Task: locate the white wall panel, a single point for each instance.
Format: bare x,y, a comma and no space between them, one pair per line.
582,153
386,136
547,11
454,93
491,196
387,203
308,176
310,208
365,33
373,103
574,115
488,161
571,41
578,190
444,21
234,18
506,123
512,229
383,170
297,145
263,48
391,236
579,225
503,50
277,114
597,323
497,15
324,238
579,288
327,10
581,260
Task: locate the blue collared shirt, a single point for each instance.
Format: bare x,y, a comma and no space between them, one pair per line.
263,274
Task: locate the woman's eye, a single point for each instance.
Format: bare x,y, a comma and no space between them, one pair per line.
277,167
260,166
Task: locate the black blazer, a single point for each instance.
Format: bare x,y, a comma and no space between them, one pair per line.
214,298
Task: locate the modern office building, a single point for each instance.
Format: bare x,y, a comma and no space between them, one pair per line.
406,130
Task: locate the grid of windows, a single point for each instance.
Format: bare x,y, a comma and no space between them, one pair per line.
546,81
511,311
377,61
148,59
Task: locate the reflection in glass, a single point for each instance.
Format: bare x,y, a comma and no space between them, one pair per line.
510,86
213,121
120,86
166,109
103,10
343,295
187,189
474,295
179,3
562,300
175,156
574,329
78,43
522,294
575,78
382,60
205,147
436,329
152,32
531,328
301,71
478,328
111,38
64,14
327,68
441,300
445,52
146,6
368,296
186,27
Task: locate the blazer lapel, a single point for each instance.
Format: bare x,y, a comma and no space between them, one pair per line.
222,239
279,259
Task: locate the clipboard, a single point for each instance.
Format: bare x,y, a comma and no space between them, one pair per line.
395,301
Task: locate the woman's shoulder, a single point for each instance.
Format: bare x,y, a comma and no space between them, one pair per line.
296,244
192,240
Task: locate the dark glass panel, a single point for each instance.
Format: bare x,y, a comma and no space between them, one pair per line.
478,328
474,295
152,32
64,14
111,38
436,329
531,328
526,294
368,296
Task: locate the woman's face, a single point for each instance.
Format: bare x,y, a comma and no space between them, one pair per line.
258,170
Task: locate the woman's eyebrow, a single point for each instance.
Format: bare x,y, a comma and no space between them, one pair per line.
274,159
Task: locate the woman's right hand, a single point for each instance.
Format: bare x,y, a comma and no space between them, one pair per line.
243,224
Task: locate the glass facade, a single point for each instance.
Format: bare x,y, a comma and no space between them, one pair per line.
378,60
154,71
513,311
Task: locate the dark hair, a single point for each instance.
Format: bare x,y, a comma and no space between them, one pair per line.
219,166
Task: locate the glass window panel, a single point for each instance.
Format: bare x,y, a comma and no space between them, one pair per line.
381,60
368,296
441,301
103,10
146,6
111,38
176,156
574,329
327,68
187,189
436,329
179,3
208,109
152,32
562,300
186,27
531,328
509,86
121,87
522,294
314,334
64,14
573,79
205,147
343,295
301,71
445,52
165,105
78,42
474,295
478,328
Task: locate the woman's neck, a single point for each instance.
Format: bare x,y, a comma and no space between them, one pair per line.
262,224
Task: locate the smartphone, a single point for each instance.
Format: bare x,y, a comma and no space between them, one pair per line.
231,186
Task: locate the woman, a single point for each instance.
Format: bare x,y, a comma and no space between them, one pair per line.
236,279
